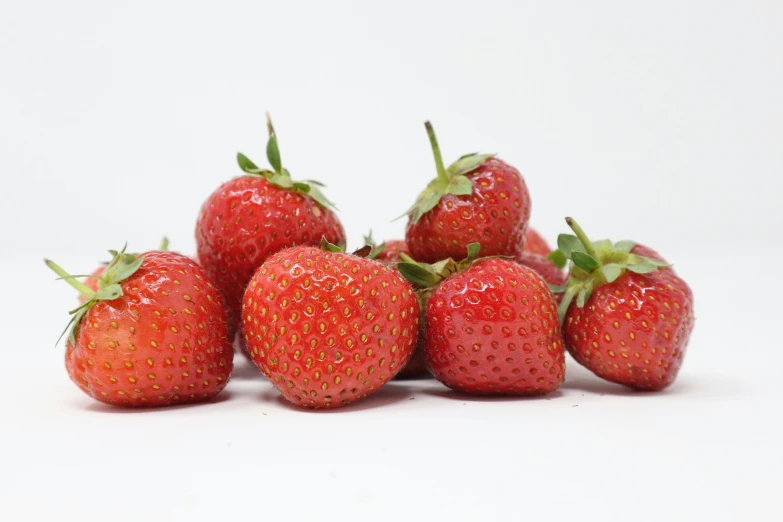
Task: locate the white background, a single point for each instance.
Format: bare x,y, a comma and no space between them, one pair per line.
658,121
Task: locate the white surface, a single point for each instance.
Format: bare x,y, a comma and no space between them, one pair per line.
117,121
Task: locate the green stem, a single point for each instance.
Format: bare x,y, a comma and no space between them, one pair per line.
78,285
589,249
164,245
269,126
436,152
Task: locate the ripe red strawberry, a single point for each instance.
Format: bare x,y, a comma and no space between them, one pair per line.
416,367
93,280
633,315
544,267
251,217
477,199
536,244
491,327
328,328
387,252
153,334
391,251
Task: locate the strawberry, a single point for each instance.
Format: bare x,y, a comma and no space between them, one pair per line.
251,217
387,252
491,326
416,367
536,244
153,334
93,282
478,198
328,328
544,267
633,315
392,250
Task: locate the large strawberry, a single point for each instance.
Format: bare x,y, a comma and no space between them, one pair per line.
153,334
326,327
491,326
632,317
253,216
478,198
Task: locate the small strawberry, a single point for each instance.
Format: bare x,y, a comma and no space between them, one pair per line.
93,281
416,367
536,244
632,317
387,252
251,217
491,326
551,273
478,198
153,334
328,328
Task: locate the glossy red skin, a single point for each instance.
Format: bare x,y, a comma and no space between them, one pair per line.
245,221
496,215
163,342
543,267
493,329
392,250
647,252
536,244
635,330
328,328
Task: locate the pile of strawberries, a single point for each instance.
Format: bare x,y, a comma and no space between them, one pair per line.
472,297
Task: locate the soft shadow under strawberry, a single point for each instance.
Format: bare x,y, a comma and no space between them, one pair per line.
390,393
100,407
467,397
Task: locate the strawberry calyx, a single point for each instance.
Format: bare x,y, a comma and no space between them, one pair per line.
120,268
339,248
594,263
451,180
163,247
425,275
279,176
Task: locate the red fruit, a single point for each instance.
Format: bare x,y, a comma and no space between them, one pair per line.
392,250
249,218
543,267
492,328
387,252
416,367
154,334
536,244
644,251
633,316
328,328
477,199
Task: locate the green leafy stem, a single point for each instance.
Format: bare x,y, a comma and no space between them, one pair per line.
593,264
121,267
279,176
